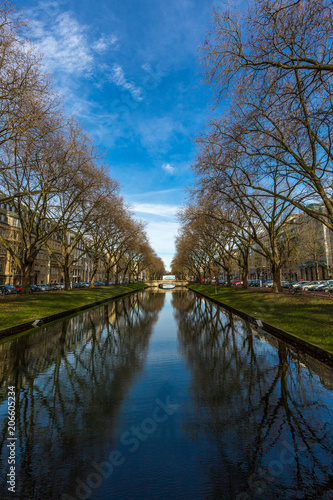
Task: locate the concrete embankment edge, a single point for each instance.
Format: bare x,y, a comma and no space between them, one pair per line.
313,350
63,314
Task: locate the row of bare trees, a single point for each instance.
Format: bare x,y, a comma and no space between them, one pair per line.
54,178
267,152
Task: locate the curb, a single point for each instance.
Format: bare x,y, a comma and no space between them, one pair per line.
48,319
317,352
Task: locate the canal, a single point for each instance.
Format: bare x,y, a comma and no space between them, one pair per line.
163,395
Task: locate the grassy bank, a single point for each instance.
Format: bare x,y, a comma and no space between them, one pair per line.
19,309
309,318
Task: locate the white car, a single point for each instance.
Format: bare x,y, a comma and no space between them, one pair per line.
312,285
301,284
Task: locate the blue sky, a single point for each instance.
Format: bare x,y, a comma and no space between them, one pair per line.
129,71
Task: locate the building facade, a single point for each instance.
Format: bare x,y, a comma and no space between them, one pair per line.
46,268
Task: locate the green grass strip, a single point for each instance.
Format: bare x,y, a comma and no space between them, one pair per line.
18,309
307,317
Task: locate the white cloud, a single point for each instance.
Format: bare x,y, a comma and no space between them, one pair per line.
118,77
168,168
156,209
66,44
105,42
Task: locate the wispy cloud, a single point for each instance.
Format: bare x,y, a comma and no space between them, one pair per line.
168,168
118,77
161,191
66,44
156,209
105,42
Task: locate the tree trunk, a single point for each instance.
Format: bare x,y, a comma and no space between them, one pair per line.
317,271
228,278
245,277
245,270
107,276
26,281
67,280
93,274
276,271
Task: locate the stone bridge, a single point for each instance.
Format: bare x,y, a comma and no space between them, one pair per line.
164,282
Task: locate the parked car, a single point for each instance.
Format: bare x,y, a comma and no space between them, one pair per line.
236,282
327,288
35,288
43,287
18,288
286,284
299,285
311,285
59,286
267,283
8,290
254,283
323,286
320,284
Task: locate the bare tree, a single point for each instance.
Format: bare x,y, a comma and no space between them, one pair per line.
101,227
39,173
26,96
87,187
277,59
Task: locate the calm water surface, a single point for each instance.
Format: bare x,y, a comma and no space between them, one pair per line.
163,395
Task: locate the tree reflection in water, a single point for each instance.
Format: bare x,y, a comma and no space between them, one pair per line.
70,380
264,407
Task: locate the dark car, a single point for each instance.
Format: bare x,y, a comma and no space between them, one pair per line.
8,290
35,288
328,287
